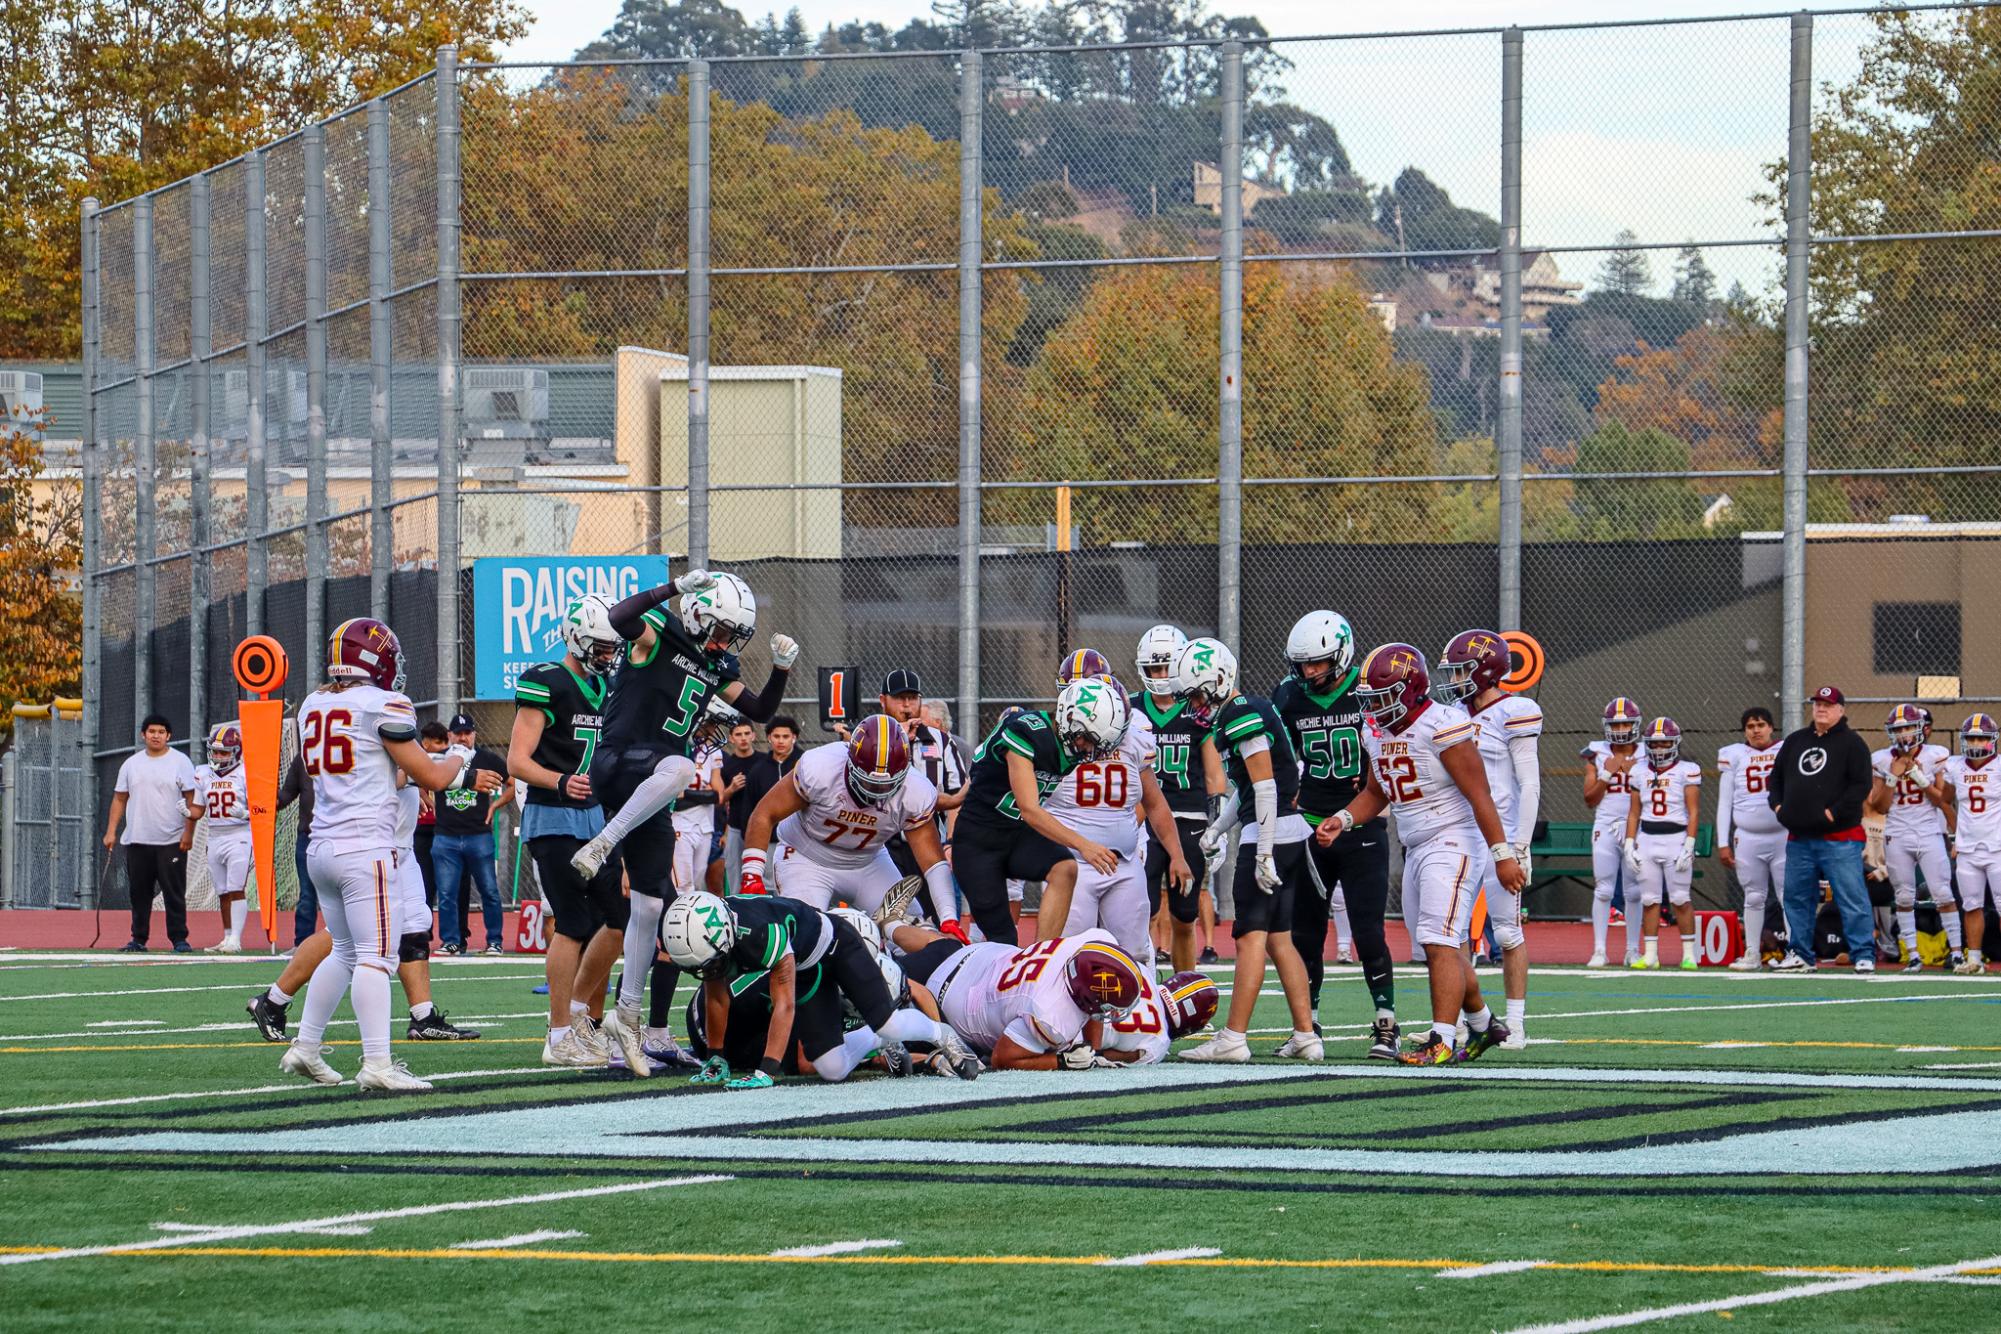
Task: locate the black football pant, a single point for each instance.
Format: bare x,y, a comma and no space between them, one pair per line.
160,868
1359,862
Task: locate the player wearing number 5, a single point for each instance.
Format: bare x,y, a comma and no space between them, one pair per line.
1424,760
355,732
673,665
1660,837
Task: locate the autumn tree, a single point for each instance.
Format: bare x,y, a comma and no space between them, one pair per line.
41,618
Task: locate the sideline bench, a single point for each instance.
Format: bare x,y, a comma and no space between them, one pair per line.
1562,852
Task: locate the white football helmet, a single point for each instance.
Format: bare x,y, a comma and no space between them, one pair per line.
863,924
1091,717
698,930
587,633
719,718
1155,657
1205,674
893,978
728,610
1321,636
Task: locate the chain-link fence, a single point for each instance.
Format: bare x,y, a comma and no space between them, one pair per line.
965,358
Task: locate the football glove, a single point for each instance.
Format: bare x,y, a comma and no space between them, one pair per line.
1633,862
1081,1057
1687,858
950,926
716,1071
695,581
1522,859
753,883
756,1079
1212,842
784,652
1267,872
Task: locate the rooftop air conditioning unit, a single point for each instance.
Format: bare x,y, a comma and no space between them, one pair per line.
506,402
21,397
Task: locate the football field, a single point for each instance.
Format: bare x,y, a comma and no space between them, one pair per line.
1673,1147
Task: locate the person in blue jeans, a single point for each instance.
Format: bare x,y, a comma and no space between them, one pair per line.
462,847
1818,785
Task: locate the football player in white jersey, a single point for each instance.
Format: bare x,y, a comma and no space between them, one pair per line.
1749,838
694,816
835,814
1105,800
355,733
1608,791
1424,761
1909,793
1660,839
1509,726
220,799
1181,1005
1025,1009
1973,783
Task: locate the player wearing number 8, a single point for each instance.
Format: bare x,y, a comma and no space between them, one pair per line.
1660,837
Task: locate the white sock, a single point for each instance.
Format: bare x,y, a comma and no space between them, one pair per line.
1907,931
642,936
370,995
1754,930
654,794
836,1065
1601,923
238,912
657,1036
1480,1020
913,1026
1633,925
323,992
557,1035
1518,1013
1344,931
277,997
1230,1037
577,1007
422,1010
1653,949
1687,941
1448,1032
1953,938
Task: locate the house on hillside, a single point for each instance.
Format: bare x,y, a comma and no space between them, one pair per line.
1543,287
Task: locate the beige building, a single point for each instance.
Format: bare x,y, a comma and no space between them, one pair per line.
1209,189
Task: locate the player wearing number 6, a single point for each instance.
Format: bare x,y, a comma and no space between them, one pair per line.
1424,760
1971,783
1660,837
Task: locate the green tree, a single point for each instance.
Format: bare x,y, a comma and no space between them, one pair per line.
1626,271
1623,508
41,549
1417,214
1694,282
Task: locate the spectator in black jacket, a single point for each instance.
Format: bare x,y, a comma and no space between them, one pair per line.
1818,787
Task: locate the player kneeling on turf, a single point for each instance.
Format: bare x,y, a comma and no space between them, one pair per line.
738,943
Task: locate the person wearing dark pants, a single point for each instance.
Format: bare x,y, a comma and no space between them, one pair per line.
434,738
1818,786
152,798
294,787
463,846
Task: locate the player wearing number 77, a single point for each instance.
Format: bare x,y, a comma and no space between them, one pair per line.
1425,761
673,666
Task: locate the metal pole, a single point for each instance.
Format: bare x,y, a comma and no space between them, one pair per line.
972,102
256,481
316,387
200,345
448,379
698,313
1230,421
381,530
93,535
1799,186
1508,427
143,499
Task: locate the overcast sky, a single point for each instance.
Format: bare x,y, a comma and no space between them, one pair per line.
1663,130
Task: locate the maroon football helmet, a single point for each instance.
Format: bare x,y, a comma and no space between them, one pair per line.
1190,1000
364,649
1395,686
225,747
1622,722
1084,662
1663,744
878,760
1103,980
1473,662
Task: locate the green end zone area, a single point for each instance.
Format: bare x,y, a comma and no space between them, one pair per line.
1672,1148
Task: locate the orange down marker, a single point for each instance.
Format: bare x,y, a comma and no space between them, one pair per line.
260,665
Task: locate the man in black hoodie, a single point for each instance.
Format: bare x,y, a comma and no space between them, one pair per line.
1818,785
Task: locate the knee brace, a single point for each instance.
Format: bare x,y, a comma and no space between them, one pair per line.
413,947
1906,898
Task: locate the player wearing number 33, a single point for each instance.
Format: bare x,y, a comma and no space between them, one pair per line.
1424,760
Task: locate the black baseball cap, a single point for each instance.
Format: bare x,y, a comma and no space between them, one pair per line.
902,681
461,722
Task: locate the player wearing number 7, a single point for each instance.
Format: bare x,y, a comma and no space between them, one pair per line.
673,666
1424,760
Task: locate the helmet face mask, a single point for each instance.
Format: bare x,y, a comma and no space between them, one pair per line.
1205,674
1395,686
1456,683
1155,658
1663,744
1622,722
225,747
588,634
1977,736
721,619
1320,648
878,760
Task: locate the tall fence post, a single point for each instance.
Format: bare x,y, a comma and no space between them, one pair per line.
381,457
1508,424
200,345
449,322
142,466
256,474
1230,418
93,534
698,314
1799,188
316,388
972,102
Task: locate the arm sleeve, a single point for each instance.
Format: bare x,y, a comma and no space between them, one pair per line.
1264,794
1726,799
626,615
764,705
1528,777
288,787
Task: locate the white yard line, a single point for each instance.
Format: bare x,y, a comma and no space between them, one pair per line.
836,1248
518,1239
1621,1319
1486,1271
343,1230
226,986
245,1026
292,1086
371,1216
1152,1257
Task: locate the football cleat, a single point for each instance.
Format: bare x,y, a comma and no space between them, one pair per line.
590,1036
1915,964
436,1028
890,911
958,1056
1228,1045
1516,1040
1431,1049
1969,967
895,1058
616,1032
670,1055
1383,1043
226,947
570,1053
1347,956
1792,963
389,1077
1955,959
1597,960
1687,964
270,1017
1303,1047
589,859
1745,963
1479,1044
1642,963
1617,918
298,1061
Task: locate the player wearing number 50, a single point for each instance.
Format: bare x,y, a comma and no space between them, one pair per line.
673,666
1423,760
355,732
1660,838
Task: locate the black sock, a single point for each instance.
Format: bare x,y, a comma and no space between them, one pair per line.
660,996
